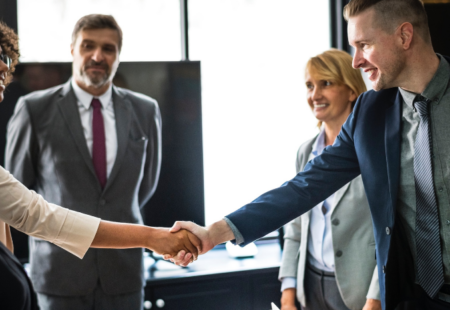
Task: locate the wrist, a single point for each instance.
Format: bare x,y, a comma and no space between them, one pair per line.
219,232
288,297
150,237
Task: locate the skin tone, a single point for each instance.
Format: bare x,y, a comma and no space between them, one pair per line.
95,59
401,58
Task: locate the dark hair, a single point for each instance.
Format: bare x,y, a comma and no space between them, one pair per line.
9,44
392,13
97,21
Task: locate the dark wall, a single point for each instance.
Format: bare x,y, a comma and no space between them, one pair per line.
439,22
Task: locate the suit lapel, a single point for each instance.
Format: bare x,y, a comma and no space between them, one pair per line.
122,112
67,103
339,194
392,141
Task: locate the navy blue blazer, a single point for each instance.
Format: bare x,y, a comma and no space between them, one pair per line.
368,144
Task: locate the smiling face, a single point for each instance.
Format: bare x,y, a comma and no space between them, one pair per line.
376,52
3,73
95,58
330,102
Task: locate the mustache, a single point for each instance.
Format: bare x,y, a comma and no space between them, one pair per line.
93,63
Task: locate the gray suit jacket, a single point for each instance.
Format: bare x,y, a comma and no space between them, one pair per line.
47,151
352,234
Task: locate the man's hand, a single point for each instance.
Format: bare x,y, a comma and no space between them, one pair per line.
166,243
210,237
372,304
288,299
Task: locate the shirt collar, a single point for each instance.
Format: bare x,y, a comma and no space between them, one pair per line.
85,98
319,144
436,88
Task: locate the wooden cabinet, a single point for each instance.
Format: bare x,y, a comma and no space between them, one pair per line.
218,282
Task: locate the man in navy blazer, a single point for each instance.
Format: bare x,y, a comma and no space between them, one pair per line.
392,44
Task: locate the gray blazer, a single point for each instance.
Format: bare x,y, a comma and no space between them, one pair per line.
352,233
47,151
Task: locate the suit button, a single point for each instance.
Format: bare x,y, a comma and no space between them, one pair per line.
102,202
339,253
384,269
335,222
388,231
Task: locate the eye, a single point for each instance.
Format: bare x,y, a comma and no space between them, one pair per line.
87,46
327,83
309,86
109,49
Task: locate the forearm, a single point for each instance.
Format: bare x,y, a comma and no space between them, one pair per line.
160,240
288,297
122,236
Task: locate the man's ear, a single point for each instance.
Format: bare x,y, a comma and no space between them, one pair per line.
406,32
71,49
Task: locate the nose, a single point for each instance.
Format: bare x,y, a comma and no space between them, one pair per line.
316,93
98,55
358,60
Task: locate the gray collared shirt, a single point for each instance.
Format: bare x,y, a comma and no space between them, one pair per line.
439,92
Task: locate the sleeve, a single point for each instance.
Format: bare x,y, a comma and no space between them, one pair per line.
288,282
153,158
289,259
28,212
374,288
321,177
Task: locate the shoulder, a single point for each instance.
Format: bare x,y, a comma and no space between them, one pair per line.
43,95
306,147
137,99
39,100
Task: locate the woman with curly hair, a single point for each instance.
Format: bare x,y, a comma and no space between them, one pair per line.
75,232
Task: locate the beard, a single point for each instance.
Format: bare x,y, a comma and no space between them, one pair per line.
388,79
95,79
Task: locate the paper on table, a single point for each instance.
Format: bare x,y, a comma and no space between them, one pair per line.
275,307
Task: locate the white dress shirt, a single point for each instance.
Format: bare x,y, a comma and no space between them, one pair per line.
320,242
84,100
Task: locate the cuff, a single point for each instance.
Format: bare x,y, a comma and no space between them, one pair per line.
288,282
237,234
77,233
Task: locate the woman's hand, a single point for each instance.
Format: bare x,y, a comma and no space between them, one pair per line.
288,299
372,304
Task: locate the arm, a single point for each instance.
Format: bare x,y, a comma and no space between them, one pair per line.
160,240
152,164
75,232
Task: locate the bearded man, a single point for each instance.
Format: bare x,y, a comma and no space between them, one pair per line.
94,148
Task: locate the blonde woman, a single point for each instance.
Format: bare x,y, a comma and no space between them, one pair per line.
329,252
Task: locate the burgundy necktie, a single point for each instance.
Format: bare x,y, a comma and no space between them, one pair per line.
98,145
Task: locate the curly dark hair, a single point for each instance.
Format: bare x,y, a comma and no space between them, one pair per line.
9,43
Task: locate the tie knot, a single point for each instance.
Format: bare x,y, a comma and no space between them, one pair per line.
421,105
96,104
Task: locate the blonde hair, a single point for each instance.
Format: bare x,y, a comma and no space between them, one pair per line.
336,66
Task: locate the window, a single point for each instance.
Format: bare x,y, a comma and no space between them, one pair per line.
255,115
151,28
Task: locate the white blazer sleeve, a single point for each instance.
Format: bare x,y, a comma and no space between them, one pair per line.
28,212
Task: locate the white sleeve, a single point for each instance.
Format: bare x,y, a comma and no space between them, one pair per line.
28,212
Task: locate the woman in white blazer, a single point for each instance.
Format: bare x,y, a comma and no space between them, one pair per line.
329,253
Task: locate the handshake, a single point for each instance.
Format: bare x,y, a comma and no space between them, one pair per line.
182,243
